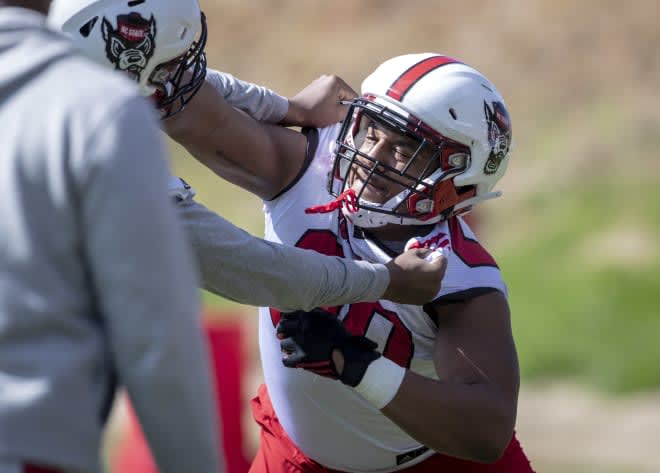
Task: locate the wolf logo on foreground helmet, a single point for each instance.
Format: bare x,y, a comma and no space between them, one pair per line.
158,43
131,45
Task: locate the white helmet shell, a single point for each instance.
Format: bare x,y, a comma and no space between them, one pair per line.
455,100
445,104
133,36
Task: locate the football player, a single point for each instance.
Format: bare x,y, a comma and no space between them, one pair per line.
429,387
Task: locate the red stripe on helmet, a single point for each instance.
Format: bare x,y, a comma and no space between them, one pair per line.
402,85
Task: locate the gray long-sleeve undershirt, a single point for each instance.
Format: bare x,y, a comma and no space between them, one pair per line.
247,269
259,102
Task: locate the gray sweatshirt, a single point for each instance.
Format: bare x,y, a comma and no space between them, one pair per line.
96,279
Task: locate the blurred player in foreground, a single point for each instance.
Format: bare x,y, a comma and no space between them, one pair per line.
97,283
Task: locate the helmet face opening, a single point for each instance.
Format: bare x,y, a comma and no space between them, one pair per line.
403,188
179,80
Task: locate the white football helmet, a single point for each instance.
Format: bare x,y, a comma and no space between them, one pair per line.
453,113
154,41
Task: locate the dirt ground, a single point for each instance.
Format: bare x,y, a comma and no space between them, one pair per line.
567,428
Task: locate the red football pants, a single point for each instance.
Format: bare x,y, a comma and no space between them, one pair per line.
278,454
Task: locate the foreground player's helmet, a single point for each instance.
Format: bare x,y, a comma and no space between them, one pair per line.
452,114
158,43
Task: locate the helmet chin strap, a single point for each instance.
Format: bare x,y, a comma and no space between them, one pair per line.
368,218
347,200
352,209
348,203
371,219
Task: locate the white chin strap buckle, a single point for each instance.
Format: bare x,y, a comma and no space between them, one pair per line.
424,206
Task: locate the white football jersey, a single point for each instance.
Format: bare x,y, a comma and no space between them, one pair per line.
327,420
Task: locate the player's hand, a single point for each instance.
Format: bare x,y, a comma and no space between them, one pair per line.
413,279
319,104
308,340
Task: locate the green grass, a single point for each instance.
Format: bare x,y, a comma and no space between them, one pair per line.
585,287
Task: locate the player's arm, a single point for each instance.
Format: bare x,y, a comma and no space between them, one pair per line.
261,103
258,157
470,412
241,267
141,268
317,105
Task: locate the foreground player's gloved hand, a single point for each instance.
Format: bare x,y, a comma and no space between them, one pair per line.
308,339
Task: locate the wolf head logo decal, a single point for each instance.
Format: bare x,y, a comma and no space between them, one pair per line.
130,46
499,135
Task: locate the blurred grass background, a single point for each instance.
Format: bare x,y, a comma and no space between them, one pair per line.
577,232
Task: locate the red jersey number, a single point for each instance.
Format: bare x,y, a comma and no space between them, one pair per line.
365,318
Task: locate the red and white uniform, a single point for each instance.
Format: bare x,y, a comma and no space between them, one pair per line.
328,421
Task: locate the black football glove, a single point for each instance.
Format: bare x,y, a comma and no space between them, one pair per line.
307,340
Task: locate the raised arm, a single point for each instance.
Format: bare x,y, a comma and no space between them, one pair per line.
317,105
471,409
261,103
258,157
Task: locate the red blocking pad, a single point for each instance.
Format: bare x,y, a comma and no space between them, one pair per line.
131,453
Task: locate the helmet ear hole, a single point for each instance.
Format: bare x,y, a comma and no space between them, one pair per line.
86,29
462,190
458,160
454,156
